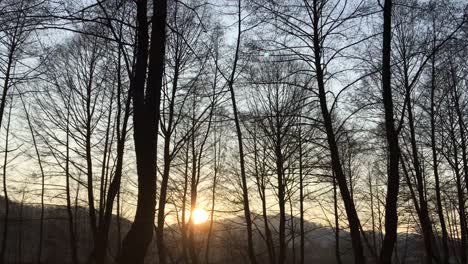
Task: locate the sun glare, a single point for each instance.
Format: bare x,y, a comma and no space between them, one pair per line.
199,216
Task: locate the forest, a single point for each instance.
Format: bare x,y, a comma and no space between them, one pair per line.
234,131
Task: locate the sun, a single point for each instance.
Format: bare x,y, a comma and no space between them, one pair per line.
199,216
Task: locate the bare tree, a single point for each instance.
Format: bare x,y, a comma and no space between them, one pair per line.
245,192
393,182
146,113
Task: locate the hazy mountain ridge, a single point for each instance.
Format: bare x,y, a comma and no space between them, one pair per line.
227,239
25,221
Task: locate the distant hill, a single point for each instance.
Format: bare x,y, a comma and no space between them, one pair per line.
23,233
227,245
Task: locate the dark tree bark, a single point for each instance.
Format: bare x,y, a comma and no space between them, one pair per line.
89,160
146,120
114,186
156,69
38,155
167,155
184,224
71,230
261,187
9,68
371,194
281,189
393,182
20,229
461,128
6,87
435,163
245,192
106,162
193,192
459,186
217,165
5,192
301,199
337,224
217,148
353,219
424,219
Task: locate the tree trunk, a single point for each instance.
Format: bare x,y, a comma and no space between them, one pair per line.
260,178
213,198
393,182
245,193
424,219
460,194
158,47
301,200
114,186
281,193
374,241
89,161
337,224
353,219
193,195
435,163
146,121
71,231
5,193
184,205
167,159
461,198
38,155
